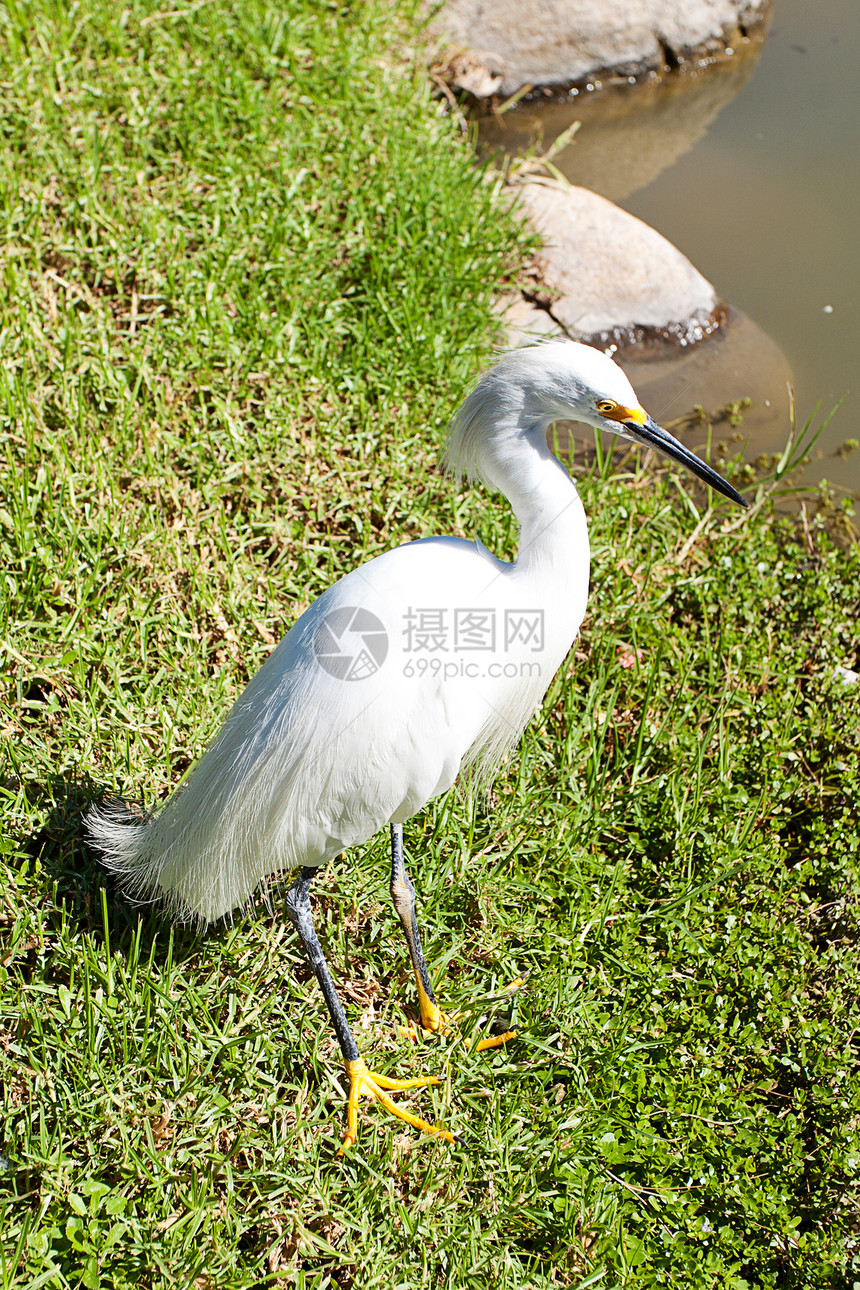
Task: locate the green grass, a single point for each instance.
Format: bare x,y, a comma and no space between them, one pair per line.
247,277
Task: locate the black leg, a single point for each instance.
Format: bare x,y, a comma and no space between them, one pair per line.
403,896
361,1080
299,909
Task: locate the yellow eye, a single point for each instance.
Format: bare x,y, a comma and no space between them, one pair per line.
607,408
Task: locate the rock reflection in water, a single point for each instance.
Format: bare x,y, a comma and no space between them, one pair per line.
628,133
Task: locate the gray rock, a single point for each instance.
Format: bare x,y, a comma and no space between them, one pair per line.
604,277
506,44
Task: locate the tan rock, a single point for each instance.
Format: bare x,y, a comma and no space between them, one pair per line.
563,42
605,277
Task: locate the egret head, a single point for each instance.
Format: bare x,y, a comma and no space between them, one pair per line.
556,380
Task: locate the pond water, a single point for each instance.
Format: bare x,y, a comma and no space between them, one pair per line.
752,169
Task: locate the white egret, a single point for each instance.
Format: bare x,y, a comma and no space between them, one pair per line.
425,661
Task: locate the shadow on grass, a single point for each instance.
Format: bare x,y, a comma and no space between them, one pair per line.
84,910
81,890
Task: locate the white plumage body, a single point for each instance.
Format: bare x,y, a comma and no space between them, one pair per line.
309,764
312,760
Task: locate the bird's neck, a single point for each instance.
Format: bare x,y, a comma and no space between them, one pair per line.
553,530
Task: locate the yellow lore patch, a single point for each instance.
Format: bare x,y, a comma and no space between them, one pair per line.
617,412
639,415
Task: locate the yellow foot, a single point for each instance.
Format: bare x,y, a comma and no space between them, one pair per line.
446,1027
435,1022
494,1041
363,1081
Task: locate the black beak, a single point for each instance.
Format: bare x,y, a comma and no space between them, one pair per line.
656,437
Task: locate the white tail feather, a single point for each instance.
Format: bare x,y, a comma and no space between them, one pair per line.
228,826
